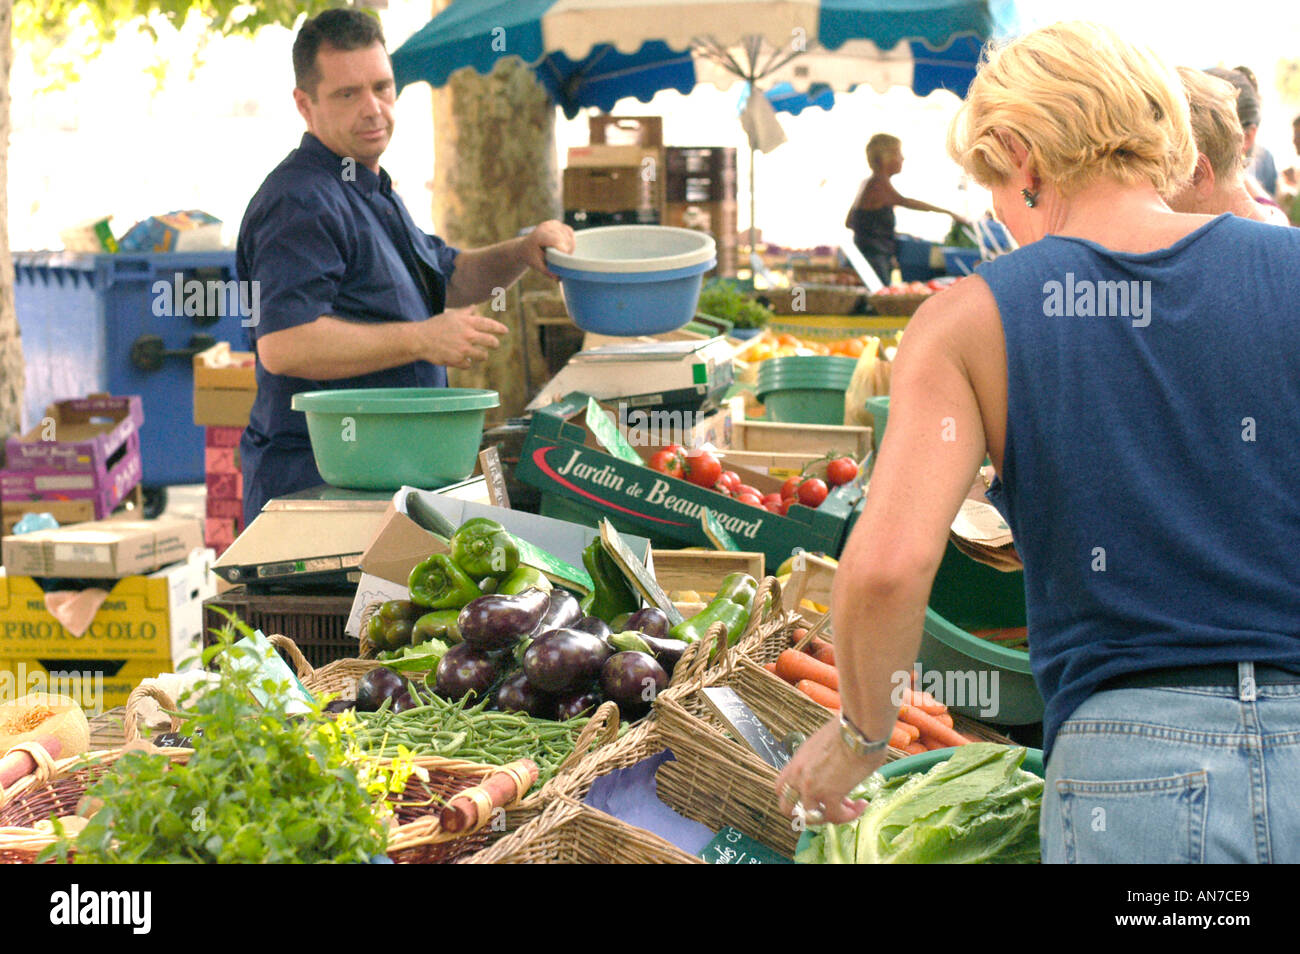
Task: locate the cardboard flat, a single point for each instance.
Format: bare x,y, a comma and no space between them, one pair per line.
220,367
282,544
702,367
220,407
103,549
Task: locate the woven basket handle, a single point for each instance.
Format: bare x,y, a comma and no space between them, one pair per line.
602,727
817,629
765,610
694,664
131,721
368,650
303,668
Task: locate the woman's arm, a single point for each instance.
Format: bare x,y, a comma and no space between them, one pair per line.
931,451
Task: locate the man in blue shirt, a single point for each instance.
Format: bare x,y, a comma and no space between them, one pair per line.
351,293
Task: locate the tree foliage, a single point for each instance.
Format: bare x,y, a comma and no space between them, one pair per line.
52,18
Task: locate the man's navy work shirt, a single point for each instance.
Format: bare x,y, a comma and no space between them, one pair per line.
327,237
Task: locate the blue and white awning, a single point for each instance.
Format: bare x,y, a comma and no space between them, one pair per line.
595,52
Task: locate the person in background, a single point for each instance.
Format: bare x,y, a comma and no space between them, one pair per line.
353,294
1262,167
1290,185
1248,112
1217,184
871,217
1162,577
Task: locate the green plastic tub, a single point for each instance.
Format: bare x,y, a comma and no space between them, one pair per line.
803,405
387,438
878,408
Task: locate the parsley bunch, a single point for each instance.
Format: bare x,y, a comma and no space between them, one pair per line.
262,787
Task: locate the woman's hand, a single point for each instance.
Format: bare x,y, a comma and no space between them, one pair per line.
821,775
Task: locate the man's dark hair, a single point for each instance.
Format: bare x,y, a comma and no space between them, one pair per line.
341,29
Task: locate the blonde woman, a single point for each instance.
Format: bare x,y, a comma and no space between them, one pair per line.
871,217
1149,475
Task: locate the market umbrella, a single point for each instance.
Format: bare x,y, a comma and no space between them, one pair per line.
595,52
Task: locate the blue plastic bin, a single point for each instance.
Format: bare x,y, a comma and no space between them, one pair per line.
80,316
914,258
954,258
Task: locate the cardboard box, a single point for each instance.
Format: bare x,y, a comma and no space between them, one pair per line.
66,511
634,157
221,460
400,543
154,616
225,386
225,486
232,509
81,435
222,436
563,455
220,532
653,429
103,549
698,370
97,684
611,189
626,130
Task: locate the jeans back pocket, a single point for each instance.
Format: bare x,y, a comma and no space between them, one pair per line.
1154,821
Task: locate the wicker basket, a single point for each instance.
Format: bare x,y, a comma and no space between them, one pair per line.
699,783
897,304
816,299
569,832
56,788
339,677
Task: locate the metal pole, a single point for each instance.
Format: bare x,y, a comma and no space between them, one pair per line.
753,244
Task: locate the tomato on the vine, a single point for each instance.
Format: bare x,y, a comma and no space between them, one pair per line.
729,479
791,487
812,492
743,489
702,468
841,470
750,499
669,461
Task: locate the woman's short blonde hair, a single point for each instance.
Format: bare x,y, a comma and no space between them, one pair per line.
1218,132
1086,103
879,146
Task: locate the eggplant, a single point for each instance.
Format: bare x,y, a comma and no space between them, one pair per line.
651,621
376,686
582,702
562,611
667,652
340,705
496,621
565,659
464,669
403,701
597,627
633,680
517,694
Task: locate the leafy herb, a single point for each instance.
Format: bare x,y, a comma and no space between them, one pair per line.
724,299
261,787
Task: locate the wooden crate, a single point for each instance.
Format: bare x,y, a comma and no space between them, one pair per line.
814,440
703,570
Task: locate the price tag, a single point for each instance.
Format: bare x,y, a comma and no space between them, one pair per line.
716,532
489,461
636,573
601,424
733,847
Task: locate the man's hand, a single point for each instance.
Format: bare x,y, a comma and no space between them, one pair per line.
459,338
549,234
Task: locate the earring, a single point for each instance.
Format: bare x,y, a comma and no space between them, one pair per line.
1031,198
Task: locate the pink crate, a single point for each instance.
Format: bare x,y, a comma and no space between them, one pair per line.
225,486
52,483
223,436
225,509
221,460
118,420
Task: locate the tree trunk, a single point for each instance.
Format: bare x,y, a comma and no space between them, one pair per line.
494,174
11,353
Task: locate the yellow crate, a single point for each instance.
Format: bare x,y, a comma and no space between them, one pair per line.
833,327
96,684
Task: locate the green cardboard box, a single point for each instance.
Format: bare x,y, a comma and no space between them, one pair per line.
574,450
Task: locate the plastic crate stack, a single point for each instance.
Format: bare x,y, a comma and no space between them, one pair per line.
225,485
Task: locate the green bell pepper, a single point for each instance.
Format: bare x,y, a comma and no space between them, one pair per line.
440,625
738,588
483,547
438,583
525,577
732,615
391,627
611,594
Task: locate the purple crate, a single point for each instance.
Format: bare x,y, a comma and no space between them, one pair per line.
107,489
93,454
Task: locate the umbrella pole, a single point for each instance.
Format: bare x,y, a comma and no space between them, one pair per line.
753,231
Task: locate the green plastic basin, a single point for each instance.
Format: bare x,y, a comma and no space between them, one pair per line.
387,438
878,408
803,405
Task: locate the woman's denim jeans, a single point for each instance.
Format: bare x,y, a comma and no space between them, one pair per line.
1188,775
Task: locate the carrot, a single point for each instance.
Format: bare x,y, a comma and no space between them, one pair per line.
913,733
819,693
930,726
899,738
930,745
914,748
823,651
924,701
945,718
797,635
770,667
792,666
